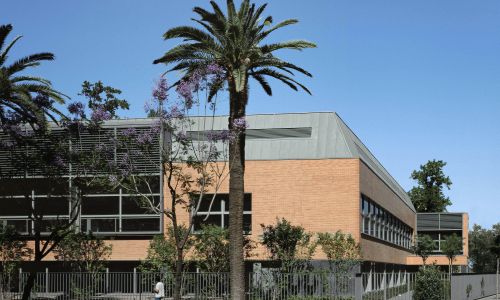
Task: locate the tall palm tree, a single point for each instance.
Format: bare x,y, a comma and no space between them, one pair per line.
22,96
234,41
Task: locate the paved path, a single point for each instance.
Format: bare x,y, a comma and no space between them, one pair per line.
489,298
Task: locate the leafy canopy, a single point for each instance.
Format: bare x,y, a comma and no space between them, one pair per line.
428,195
424,246
25,98
235,41
482,245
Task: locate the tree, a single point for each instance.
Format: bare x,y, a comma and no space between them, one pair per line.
428,284
211,249
83,252
12,250
25,98
48,152
341,249
428,195
424,246
481,241
288,244
451,247
234,41
192,158
162,252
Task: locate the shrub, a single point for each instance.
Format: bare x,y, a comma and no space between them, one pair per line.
428,284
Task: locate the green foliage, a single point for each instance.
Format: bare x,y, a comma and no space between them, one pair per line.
12,251
451,247
235,42
341,249
162,252
211,248
428,195
424,245
482,248
29,98
291,245
83,252
99,95
428,284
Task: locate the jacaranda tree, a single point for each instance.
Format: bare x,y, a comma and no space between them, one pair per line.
25,98
235,40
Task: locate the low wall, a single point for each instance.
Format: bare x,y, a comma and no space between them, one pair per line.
482,285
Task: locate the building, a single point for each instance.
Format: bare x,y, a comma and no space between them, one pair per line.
309,168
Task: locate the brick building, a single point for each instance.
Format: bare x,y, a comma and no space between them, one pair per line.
309,168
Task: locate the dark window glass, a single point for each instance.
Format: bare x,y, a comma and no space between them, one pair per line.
207,199
20,226
135,225
49,225
15,206
211,220
100,205
52,206
139,205
103,225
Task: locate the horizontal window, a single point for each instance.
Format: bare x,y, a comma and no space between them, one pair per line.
379,223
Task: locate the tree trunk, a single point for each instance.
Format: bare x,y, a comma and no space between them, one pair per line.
238,101
178,276
30,283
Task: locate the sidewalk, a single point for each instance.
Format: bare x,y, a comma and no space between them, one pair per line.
489,298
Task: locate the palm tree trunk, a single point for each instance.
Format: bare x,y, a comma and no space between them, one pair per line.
238,101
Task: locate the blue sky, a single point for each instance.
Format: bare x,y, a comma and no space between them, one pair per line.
416,80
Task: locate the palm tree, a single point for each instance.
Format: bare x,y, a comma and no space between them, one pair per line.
23,97
234,41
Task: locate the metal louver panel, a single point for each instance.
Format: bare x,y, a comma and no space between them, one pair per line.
16,162
267,133
439,221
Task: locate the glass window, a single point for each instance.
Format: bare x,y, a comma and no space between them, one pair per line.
134,225
100,205
139,205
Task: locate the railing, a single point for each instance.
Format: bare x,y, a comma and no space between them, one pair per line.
113,285
311,285
395,285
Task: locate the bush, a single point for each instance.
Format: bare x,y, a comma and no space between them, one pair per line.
428,284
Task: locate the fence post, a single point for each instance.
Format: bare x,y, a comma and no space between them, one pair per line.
358,287
384,286
135,281
20,279
47,280
407,277
107,280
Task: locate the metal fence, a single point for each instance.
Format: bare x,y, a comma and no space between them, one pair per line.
119,285
395,285
263,285
311,285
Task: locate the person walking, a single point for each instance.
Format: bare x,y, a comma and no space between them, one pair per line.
159,289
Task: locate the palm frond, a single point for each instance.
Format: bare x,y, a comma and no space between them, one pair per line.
263,83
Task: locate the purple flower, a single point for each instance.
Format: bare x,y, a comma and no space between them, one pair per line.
240,124
129,132
113,179
160,90
99,114
58,161
219,135
144,138
76,108
174,113
215,69
185,90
